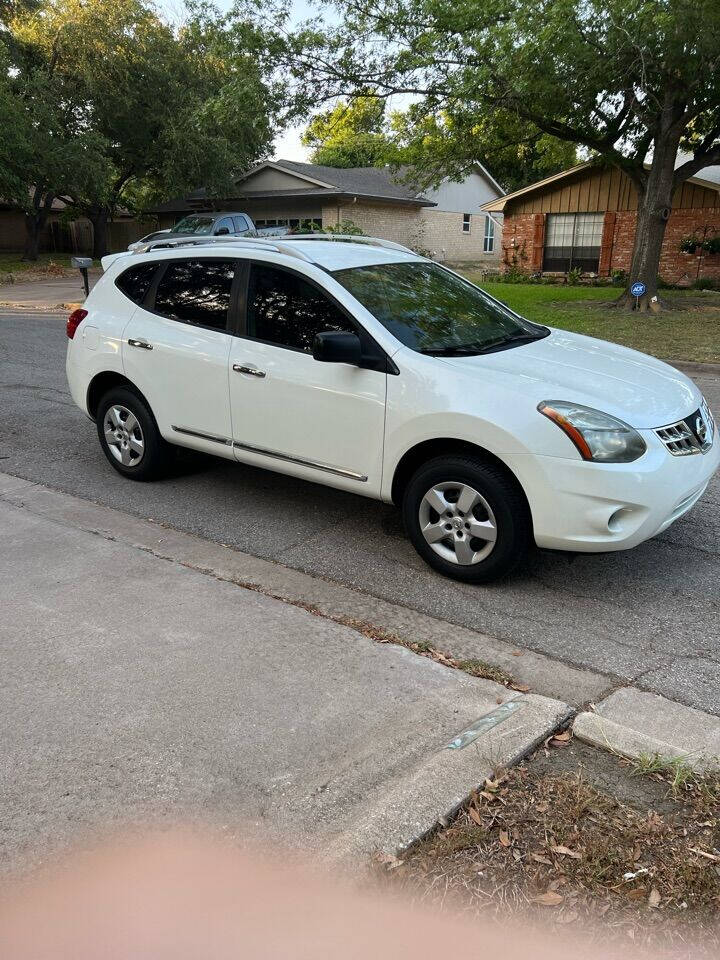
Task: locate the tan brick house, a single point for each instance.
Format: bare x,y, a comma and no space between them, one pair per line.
447,222
585,217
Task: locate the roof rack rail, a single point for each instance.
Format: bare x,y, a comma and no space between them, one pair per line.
352,238
278,246
170,243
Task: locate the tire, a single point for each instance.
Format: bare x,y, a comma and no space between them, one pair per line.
129,436
475,545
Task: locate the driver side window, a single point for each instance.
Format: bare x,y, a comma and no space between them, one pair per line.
285,310
224,224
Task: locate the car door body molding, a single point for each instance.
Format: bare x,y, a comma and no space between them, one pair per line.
275,454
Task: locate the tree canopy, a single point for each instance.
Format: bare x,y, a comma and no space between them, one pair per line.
630,81
119,107
437,144
353,134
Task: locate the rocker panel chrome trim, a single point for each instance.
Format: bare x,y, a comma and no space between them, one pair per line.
203,436
263,452
316,465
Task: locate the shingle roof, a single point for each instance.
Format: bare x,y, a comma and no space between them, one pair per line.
366,181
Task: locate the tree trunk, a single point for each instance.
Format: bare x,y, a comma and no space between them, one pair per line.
654,206
35,221
99,220
32,237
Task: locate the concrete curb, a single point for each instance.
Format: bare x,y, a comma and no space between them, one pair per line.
634,723
696,369
411,808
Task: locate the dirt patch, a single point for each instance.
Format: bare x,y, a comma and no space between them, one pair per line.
577,838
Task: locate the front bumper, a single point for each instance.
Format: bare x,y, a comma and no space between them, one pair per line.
591,507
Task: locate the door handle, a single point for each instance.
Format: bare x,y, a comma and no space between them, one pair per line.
139,343
253,371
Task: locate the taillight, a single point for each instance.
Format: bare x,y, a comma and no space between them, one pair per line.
74,321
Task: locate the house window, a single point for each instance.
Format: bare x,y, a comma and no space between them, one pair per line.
489,236
573,240
466,222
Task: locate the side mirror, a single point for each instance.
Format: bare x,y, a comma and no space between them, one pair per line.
333,346
222,232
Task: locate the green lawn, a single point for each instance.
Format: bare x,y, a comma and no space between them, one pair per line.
688,328
13,267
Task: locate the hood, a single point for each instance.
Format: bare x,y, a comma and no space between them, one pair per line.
642,391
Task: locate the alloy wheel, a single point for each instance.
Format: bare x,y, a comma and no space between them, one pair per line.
458,523
124,435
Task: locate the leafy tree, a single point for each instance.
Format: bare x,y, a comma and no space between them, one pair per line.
631,81
164,109
438,145
45,150
350,134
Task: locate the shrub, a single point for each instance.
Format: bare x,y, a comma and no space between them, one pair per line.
619,278
513,275
573,276
706,283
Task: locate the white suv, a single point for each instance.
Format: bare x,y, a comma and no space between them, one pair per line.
355,363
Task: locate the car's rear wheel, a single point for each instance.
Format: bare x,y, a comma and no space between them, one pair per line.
466,518
129,435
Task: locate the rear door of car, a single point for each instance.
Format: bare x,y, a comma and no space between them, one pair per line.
177,345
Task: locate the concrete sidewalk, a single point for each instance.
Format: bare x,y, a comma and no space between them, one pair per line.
137,689
50,293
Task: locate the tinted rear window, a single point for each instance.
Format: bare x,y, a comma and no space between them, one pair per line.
196,291
136,281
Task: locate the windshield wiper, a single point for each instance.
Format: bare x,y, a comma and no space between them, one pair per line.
460,350
513,338
487,346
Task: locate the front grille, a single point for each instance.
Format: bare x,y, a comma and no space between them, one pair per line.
692,435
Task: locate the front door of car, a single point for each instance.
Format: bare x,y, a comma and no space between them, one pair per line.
290,412
176,349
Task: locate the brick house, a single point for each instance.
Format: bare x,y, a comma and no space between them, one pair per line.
586,216
447,222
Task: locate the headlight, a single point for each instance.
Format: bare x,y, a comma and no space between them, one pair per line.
597,435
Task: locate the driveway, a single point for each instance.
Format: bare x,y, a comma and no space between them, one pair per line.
649,616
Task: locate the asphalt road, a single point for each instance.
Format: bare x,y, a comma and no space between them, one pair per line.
650,615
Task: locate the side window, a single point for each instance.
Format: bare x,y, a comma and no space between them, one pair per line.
287,310
226,224
241,224
196,291
136,281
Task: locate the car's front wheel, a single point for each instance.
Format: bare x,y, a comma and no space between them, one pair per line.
129,435
466,518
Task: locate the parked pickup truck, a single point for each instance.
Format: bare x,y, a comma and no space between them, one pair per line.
211,224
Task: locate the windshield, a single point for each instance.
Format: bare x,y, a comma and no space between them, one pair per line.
431,310
194,224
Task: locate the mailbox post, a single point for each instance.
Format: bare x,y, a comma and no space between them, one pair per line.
82,264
